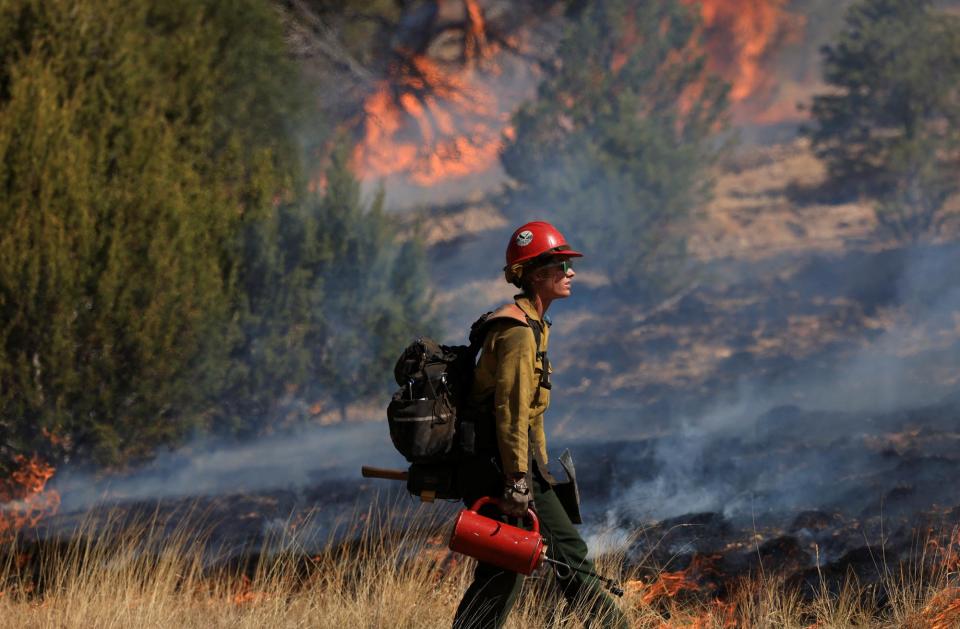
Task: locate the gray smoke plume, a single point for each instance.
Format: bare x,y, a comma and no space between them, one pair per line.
805,444
292,461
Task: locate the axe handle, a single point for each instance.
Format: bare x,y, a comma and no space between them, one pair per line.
379,472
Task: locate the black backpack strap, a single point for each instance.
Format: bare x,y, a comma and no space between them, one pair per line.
478,331
537,327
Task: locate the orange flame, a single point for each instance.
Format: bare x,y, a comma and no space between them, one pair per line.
245,593
432,121
943,611
442,560
947,551
430,124
475,43
741,37
743,32
951,558
628,42
24,499
669,584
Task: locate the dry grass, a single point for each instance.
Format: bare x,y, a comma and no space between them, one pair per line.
142,575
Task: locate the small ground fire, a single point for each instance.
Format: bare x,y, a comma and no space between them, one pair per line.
24,497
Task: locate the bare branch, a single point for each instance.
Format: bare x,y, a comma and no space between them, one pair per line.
316,36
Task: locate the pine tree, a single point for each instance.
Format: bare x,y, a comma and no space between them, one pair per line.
616,145
890,126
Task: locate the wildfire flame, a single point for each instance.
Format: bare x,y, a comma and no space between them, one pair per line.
455,131
741,36
24,499
943,611
668,585
475,44
442,560
947,552
432,121
246,595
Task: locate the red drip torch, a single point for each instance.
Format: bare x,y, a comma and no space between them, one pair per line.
491,541
505,546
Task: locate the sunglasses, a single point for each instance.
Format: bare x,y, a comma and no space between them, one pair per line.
566,264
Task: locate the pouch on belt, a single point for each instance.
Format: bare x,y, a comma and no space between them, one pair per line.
567,492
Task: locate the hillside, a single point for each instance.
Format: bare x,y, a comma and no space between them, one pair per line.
795,290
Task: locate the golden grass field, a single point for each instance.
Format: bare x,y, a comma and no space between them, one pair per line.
145,576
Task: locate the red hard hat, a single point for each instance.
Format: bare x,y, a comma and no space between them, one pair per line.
535,239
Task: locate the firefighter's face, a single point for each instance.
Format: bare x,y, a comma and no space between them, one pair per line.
554,278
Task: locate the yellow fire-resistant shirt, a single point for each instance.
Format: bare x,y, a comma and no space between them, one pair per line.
510,370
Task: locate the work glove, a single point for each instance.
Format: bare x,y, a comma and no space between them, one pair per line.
516,497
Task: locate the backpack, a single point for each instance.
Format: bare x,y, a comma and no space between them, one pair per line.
429,417
435,382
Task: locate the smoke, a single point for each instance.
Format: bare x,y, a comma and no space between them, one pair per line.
764,437
292,461
912,362
764,452
909,361
806,443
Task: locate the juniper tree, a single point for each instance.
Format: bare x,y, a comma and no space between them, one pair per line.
135,138
889,127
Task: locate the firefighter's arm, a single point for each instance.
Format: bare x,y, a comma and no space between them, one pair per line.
515,353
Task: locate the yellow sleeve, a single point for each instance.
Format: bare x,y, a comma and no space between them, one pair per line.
515,352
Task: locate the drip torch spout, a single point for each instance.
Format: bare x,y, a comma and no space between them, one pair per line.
612,585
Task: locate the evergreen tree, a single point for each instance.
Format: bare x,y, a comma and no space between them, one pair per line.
890,125
376,290
616,145
162,269
136,138
332,296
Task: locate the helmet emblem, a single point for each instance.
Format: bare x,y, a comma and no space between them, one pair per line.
524,238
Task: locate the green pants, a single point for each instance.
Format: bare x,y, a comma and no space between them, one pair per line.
488,600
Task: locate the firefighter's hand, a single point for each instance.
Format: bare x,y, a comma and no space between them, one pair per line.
516,497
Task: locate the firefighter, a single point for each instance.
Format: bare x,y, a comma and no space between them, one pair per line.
511,391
